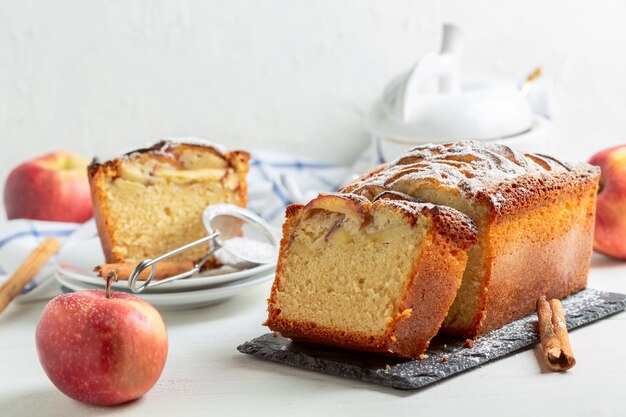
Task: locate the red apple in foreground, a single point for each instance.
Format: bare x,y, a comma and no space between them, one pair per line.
101,350
52,187
610,234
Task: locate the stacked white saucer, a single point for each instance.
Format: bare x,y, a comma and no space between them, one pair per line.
75,264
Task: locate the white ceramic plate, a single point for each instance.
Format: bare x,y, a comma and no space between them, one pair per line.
77,262
179,300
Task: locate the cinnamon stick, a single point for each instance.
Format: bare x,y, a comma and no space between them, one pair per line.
557,351
164,269
23,274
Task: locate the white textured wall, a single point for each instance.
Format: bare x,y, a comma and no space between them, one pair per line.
97,76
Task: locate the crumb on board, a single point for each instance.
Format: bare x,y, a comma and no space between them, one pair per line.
422,356
469,343
387,366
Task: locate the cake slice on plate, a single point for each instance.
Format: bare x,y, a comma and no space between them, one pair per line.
376,276
150,201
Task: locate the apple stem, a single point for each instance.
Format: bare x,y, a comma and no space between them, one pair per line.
111,276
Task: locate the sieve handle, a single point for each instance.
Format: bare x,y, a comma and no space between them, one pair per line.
151,263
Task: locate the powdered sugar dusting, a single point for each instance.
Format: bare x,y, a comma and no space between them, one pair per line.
250,249
472,167
192,140
164,147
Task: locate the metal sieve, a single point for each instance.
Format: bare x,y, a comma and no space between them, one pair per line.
236,236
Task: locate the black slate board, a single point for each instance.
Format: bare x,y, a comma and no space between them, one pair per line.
581,308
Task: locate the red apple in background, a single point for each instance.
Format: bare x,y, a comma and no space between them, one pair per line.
101,350
610,234
52,187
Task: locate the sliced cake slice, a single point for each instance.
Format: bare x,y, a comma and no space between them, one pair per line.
375,276
150,201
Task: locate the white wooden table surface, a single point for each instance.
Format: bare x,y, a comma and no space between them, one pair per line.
205,375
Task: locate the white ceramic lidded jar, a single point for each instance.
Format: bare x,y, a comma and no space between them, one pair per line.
431,103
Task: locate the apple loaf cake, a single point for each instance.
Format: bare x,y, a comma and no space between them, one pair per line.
374,276
150,201
535,219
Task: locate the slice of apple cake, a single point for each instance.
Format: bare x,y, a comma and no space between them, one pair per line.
376,276
150,201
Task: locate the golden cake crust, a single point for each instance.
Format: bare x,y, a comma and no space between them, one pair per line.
545,251
164,150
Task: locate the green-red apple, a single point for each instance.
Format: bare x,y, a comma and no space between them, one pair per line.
52,187
101,350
